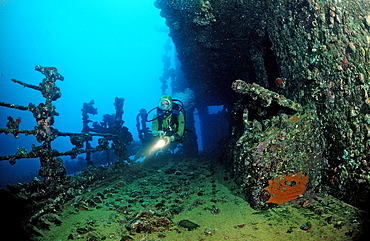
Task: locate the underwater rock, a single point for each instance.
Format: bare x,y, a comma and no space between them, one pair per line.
148,221
126,238
306,226
189,225
121,184
209,231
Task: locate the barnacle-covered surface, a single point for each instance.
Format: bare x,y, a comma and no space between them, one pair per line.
280,142
275,147
315,53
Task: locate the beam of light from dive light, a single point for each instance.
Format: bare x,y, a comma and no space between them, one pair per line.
161,143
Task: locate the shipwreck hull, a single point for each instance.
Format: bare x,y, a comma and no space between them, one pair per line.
315,53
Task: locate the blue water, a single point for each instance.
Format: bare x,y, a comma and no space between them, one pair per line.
104,49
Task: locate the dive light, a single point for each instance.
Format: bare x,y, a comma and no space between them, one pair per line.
161,143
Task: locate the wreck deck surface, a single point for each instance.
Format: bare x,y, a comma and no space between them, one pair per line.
206,197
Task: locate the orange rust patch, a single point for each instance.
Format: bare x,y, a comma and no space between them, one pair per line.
286,188
294,118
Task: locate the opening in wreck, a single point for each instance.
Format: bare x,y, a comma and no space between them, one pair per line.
272,69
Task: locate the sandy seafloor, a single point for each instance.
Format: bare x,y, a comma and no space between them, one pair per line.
204,195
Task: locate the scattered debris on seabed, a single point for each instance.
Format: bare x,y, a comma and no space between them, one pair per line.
190,199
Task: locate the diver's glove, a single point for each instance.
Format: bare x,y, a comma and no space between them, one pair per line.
158,133
169,139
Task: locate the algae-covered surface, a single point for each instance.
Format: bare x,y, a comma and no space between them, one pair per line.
150,206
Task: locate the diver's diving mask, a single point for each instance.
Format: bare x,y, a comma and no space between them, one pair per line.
165,104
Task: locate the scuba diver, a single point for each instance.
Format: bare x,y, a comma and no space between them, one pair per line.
168,124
